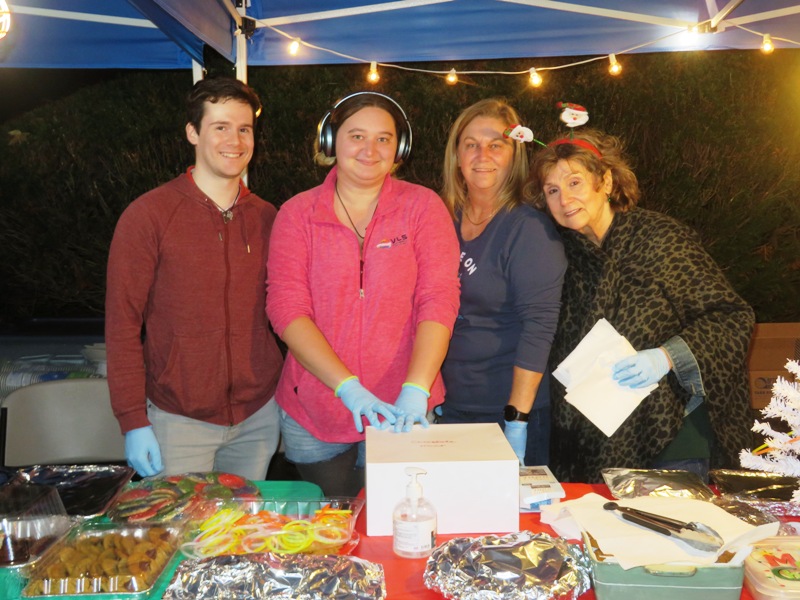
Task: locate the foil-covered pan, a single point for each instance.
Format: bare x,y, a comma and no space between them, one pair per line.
768,492
516,566
632,483
277,577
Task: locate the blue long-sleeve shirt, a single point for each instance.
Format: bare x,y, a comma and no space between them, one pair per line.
511,277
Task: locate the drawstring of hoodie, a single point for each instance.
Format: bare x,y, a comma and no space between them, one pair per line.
243,228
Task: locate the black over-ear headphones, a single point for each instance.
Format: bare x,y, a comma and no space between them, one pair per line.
326,136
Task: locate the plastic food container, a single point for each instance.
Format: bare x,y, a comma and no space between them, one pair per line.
771,572
308,526
188,497
720,581
86,490
104,558
32,518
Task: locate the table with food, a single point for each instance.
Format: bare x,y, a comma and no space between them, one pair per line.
89,531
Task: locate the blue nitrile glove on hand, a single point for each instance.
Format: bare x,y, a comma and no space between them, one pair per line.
642,369
143,452
517,435
363,403
411,407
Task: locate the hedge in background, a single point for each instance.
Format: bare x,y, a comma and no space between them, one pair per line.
715,138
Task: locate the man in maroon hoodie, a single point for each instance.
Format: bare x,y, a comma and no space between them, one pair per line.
192,364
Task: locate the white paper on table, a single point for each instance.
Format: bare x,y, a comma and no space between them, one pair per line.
635,546
587,375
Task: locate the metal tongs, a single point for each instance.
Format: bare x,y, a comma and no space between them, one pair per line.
697,535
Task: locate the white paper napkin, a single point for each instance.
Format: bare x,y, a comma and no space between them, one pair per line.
635,546
586,373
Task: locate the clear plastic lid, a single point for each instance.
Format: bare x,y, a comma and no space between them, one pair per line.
32,518
772,571
105,558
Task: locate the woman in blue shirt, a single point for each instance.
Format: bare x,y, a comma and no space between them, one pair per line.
512,268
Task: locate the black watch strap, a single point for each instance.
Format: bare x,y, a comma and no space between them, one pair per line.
510,413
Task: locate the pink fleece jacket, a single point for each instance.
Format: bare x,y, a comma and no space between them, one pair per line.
409,275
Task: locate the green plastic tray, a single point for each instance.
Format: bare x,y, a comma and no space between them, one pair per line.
719,581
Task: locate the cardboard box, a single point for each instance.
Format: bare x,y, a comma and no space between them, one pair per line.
772,345
472,477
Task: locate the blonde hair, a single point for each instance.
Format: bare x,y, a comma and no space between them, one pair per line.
625,191
454,191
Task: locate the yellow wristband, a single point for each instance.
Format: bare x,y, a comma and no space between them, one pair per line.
339,387
417,387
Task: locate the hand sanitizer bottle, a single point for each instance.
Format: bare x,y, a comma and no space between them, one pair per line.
414,521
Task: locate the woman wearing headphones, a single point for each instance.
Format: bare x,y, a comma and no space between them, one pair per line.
363,289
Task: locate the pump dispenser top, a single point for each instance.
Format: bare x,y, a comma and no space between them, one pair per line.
414,489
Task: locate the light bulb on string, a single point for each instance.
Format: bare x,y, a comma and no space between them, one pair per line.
614,68
452,77
373,76
294,46
5,19
536,79
767,46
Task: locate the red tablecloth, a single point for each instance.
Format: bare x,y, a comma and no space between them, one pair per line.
404,576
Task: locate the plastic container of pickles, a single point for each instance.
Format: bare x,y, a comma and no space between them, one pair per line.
105,558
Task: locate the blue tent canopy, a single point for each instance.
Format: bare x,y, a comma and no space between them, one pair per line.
168,34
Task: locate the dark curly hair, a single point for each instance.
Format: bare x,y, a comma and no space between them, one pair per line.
625,191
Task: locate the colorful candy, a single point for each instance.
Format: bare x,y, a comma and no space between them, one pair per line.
233,531
193,496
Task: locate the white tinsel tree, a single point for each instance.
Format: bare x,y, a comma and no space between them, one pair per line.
781,451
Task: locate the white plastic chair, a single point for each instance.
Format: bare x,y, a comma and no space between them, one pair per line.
61,422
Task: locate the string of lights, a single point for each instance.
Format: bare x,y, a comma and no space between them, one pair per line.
5,19
534,74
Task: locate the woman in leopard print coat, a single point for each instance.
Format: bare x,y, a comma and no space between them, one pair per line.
650,277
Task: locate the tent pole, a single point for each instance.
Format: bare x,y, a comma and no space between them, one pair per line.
241,47
241,56
241,65
197,71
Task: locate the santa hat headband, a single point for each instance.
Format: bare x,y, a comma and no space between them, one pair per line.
574,115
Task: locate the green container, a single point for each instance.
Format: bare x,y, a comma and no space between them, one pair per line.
11,582
720,581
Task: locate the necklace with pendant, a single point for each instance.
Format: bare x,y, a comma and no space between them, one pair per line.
227,213
353,225
479,223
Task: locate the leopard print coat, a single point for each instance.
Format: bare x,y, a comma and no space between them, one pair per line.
652,280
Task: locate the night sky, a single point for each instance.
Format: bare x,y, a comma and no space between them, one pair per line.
22,90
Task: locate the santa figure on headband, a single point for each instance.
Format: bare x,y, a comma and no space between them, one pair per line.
573,114
519,133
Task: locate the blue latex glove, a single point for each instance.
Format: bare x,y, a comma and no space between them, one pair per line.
143,452
517,435
642,369
411,406
363,403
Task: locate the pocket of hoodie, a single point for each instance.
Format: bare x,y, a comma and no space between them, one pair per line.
256,364
196,377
